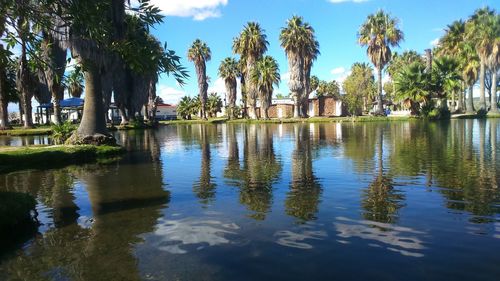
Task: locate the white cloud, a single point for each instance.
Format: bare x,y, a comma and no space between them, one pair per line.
170,95
218,87
338,71
340,79
197,9
434,42
344,1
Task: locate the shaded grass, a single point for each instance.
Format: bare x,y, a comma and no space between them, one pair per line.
43,157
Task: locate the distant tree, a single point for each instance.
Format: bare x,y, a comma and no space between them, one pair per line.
74,83
266,74
199,53
378,33
328,89
359,88
229,71
214,105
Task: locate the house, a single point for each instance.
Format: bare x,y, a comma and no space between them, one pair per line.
318,106
166,112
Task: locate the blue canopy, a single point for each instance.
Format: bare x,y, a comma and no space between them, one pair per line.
71,102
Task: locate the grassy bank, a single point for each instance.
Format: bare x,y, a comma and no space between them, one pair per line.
289,120
42,157
17,131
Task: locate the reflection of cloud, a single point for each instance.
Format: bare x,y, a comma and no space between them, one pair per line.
497,230
397,239
296,240
175,236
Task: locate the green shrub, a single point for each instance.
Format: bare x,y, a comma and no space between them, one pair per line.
15,209
61,132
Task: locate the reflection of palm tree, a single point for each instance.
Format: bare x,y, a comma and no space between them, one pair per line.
124,206
305,191
381,201
260,168
205,188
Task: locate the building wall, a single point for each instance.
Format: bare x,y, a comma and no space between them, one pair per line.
166,112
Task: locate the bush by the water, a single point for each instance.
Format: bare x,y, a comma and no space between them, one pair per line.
61,132
16,209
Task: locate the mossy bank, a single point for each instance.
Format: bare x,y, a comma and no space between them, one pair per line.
42,157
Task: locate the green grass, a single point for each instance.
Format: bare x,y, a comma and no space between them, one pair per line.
194,121
43,157
17,131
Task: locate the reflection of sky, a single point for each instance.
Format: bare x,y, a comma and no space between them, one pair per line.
184,235
297,240
403,240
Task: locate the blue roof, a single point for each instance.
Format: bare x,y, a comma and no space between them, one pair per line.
71,102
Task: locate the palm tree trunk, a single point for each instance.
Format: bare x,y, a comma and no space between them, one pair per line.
494,105
57,111
482,73
470,103
380,108
296,103
460,105
92,129
4,114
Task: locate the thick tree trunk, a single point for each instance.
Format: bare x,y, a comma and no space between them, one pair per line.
460,105
296,105
470,102
482,73
380,107
57,111
493,98
251,89
4,114
92,129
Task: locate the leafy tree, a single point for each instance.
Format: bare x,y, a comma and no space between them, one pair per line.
188,107
379,33
251,44
359,88
200,53
446,77
74,82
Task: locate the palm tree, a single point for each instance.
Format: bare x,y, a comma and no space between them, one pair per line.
412,86
214,105
229,71
452,44
480,30
380,32
266,74
471,64
200,53
297,38
494,62
448,78
310,55
251,44
74,82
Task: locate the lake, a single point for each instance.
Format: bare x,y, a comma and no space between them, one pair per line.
371,201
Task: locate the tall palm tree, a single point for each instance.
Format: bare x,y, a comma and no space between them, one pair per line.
229,70
251,44
310,55
447,77
470,73
266,74
452,44
494,62
54,54
199,54
479,29
379,33
296,38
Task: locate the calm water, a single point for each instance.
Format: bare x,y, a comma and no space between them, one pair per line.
368,201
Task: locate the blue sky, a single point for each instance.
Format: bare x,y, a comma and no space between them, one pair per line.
336,23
